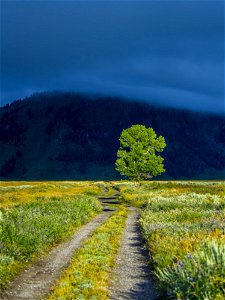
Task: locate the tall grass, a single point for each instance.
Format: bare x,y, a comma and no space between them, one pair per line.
200,275
14,193
28,230
139,195
185,234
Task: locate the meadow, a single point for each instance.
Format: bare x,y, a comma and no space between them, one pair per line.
183,224
184,227
35,216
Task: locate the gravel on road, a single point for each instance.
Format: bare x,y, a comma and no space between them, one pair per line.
131,278
36,281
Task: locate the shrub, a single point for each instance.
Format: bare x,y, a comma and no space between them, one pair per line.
200,275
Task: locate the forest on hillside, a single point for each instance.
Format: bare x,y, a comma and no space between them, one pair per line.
72,136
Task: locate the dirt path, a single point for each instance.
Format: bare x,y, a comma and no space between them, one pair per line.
131,278
36,281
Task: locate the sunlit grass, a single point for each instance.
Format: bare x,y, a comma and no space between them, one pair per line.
199,275
138,195
89,272
181,221
34,216
13,193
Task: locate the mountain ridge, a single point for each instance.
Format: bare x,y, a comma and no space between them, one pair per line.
76,137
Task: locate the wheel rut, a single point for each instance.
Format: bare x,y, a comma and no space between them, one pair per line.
131,278
35,282
108,201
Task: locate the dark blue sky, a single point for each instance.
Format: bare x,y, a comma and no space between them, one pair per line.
168,52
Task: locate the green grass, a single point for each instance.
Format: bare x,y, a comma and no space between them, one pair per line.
20,192
183,224
89,272
29,230
139,195
200,275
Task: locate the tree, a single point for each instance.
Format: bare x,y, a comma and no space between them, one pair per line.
137,157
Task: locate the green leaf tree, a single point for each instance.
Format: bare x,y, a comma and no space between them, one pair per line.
137,157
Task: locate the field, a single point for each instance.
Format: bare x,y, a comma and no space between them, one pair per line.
34,216
182,224
184,227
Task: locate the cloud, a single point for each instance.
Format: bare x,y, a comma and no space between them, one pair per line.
167,52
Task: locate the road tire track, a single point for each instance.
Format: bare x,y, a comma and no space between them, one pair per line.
35,282
131,278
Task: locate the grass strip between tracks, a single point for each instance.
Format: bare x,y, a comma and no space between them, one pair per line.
88,275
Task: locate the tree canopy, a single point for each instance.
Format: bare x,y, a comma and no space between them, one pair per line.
137,158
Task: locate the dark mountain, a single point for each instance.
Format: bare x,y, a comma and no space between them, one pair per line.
70,136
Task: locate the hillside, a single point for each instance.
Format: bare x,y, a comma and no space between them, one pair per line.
70,136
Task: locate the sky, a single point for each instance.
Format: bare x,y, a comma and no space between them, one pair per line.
165,52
